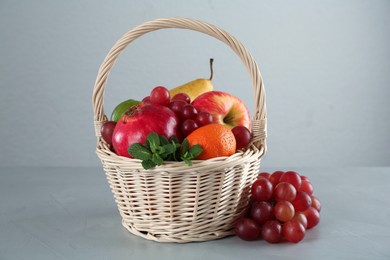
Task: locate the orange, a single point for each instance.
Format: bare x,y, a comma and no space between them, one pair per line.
216,140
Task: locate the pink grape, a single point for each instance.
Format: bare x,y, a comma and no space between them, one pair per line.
242,135
261,211
291,177
293,231
271,231
160,95
284,211
247,229
262,189
188,126
284,191
302,201
182,96
203,118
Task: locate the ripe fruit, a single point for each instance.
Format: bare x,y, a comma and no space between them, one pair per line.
160,96
265,175
107,130
182,96
293,231
203,118
291,177
284,191
306,187
284,211
280,209
196,87
121,108
188,126
261,211
225,108
216,140
271,231
243,136
301,218
188,112
262,189
138,122
312,216
315,203
247,229
274,178
302,201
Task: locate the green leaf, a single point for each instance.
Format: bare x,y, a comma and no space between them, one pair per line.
157,159
163,140
174,139
196,150
153,141
148,164
185,146
139,151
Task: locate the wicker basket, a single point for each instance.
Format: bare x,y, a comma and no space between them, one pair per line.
175,202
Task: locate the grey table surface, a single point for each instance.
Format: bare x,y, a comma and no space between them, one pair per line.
70,213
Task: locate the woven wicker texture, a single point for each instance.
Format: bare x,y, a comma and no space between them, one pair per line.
175,202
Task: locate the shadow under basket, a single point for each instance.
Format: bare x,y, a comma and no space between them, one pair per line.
175,202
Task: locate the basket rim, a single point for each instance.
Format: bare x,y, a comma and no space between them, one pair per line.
170,167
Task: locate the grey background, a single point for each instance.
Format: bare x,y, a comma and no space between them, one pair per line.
325,65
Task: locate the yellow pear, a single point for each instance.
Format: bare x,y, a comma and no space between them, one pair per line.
196,87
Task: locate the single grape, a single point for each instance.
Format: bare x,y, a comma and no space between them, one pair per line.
261,211
284,211
146,100
291,177
247,229
306,187
262,190
312,216
189,112
182,96
275,176
301,218
265,175
160,95
293,231
203,118
107,130
304,178
302,201
242,135
284,191
271,231
315,203
188,126
177,107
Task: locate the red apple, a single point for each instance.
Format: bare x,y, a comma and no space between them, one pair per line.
224,107
139,121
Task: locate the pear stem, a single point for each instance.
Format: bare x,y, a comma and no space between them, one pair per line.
211,69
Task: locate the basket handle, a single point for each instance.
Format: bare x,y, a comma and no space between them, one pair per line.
259,127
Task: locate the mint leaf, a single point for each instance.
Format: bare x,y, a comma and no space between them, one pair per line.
163,140
148,164
174,139
196,150
139,151
185,146
157,159
153,140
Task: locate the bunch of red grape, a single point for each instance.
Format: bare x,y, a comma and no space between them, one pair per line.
189,117
282,207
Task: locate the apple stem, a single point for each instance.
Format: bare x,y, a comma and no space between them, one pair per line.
211,69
